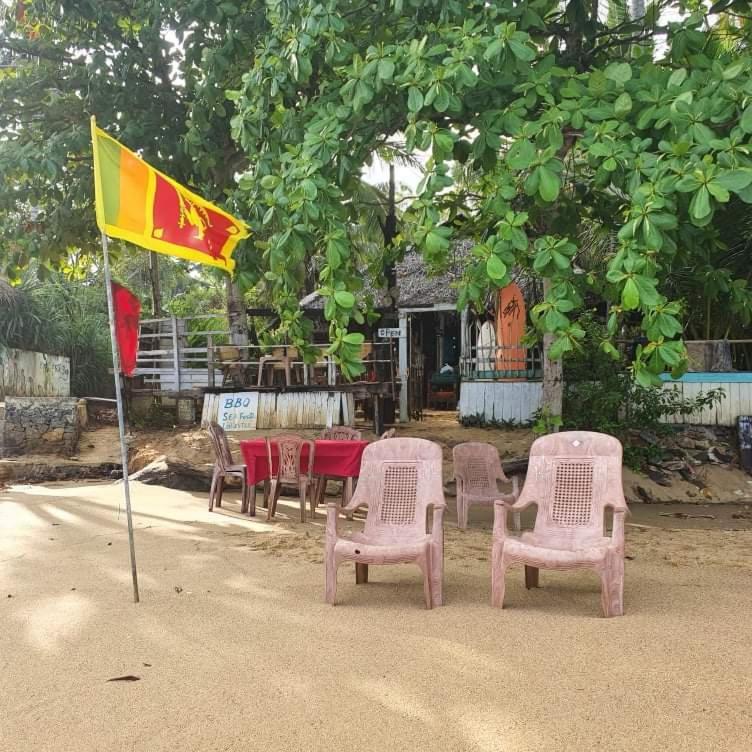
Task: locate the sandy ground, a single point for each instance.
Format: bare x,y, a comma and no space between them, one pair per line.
235,649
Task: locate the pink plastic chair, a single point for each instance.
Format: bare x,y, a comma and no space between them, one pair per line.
477,468
289,471
400,481
224,467
572,477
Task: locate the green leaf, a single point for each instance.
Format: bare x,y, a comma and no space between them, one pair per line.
354,338
414,99
677,78
549,184
436,242
732,71
746,119
699,207
735,180
521,51
630,296
623,104
270,182
496,268
308,189
344,299
521,155
619,72
386,69
441,102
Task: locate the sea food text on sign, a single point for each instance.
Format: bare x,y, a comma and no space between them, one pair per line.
238,411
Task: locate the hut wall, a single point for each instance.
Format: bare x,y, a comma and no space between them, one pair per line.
497,401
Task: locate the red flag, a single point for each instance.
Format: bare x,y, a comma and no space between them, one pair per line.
127,313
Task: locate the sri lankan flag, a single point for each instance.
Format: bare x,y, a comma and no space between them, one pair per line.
137,203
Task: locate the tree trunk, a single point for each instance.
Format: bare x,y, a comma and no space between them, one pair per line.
389,230
236,315
553,377
156,289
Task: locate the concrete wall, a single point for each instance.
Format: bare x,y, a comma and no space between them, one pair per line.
40,425
32,374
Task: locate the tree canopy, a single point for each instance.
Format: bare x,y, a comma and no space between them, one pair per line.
605,155
568,126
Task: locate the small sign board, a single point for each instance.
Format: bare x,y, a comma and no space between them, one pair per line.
390,332
238,411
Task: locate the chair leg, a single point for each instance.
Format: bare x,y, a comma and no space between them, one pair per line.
213,489
462,512
498,576
531,577
425,567
243,496
361,573
251,491
330,569
265,501
302,493
220,491
612,586
272,502
437,573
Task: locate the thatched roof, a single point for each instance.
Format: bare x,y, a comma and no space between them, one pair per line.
417,285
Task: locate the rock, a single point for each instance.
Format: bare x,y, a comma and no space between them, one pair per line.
673,465
657,476
645,495
172,473
719,457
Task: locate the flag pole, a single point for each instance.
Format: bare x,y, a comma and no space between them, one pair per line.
121,421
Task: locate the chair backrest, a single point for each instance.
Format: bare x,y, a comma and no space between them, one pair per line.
573,476
398,480
341,433
220,444
478,465
390,434
290,448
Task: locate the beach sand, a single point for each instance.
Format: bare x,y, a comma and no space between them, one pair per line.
236,650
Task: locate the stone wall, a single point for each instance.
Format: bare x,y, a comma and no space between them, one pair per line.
41,425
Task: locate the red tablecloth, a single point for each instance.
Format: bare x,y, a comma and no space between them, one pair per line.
332,458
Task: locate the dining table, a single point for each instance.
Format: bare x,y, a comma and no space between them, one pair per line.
332,458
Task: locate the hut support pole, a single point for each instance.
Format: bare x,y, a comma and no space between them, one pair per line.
403,369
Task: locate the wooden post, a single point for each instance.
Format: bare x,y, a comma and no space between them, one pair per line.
553,376
403,369
210,360
176,353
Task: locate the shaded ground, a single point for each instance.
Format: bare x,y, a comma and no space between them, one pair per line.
235,649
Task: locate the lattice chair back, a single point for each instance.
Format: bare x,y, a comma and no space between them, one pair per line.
398,479
220,444
572,476
479,466
290,447
341,433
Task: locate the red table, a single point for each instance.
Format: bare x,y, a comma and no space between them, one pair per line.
332,458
